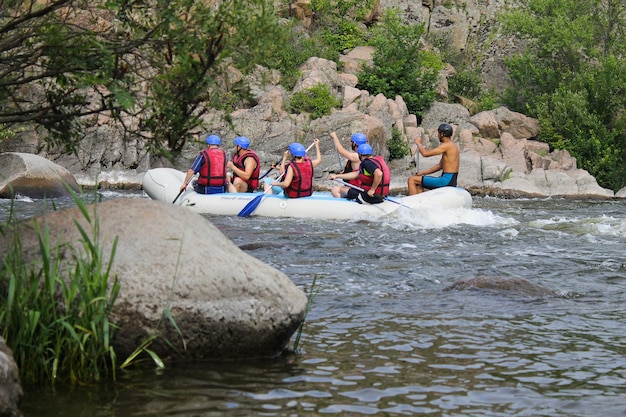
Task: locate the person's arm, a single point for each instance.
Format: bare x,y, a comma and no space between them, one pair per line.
195,167
190,173
318,154
347,176
443,148
439,150
286,182
351,156
378,177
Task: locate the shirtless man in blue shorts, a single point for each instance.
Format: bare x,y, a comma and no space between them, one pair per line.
448,164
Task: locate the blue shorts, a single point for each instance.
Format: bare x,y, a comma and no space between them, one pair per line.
446,180
275,188
200,189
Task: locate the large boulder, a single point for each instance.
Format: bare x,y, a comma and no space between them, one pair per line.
33,176
10,389
227,304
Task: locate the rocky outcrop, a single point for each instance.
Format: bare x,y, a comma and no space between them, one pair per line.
10,388
226,303
33,176
500,153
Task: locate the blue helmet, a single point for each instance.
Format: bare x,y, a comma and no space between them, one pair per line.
213,140
242,141
297,149
359,138
364,149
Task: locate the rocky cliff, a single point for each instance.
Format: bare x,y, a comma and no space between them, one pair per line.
500,153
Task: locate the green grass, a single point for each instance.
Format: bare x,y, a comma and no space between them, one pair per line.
54,310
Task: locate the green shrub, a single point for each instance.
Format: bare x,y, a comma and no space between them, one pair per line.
317,100
398,147
400,66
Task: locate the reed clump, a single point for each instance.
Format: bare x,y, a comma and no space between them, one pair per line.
54,310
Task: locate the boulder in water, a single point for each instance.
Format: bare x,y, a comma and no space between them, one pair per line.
33,176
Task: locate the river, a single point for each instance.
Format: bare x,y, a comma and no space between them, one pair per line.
384,338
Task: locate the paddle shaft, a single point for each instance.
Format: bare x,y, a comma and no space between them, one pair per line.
183,190
362,190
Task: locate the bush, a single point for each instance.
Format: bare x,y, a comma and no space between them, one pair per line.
400,67
317,100
398,147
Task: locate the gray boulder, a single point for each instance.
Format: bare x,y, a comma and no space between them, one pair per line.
226,303
10,389
33,176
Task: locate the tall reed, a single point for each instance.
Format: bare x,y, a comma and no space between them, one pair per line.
313,291
54,310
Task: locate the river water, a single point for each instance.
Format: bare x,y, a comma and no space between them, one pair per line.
384,338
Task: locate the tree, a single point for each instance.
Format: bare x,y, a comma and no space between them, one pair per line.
156,62
572,77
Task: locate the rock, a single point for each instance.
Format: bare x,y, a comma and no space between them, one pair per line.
227,303
10,388
516,286
33,176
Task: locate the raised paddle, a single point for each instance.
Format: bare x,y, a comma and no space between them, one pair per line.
254,203
362,190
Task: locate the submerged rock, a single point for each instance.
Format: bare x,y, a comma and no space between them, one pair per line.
518,286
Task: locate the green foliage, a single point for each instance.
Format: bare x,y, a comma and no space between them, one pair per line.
468,84
398,147
336,10
54,312
400,67
346,34
296,50
572,78
160,63
317,100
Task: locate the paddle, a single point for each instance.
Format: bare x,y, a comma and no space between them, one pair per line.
254,203
184,189
362,190
266,172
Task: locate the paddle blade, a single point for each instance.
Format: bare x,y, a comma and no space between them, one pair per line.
251,206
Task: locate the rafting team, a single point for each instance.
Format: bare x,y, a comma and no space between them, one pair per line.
365,178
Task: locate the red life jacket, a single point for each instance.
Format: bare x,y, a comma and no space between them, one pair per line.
367,180
348,168
213,170
239,161
302,182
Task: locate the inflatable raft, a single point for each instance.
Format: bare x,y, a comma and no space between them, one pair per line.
163,184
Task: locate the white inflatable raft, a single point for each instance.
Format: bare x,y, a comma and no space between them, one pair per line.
163,184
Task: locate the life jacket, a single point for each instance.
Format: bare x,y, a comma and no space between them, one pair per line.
348,168
239,161
302,182
213,170
367,180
